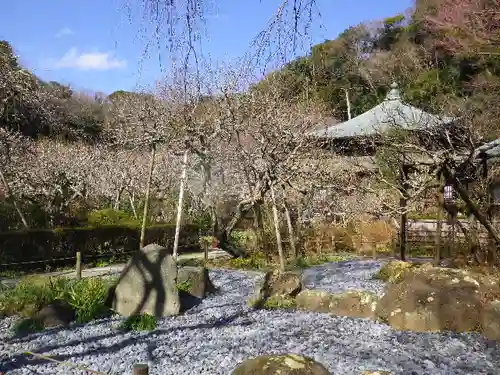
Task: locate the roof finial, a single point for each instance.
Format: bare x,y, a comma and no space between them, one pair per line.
393,94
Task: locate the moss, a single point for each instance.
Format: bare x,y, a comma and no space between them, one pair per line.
142,322
394,271
185,286
275,302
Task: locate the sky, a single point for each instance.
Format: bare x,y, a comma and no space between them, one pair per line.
93,45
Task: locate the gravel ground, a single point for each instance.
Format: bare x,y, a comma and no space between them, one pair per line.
212,338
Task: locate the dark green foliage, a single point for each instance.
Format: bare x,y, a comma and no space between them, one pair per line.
46,245
87,297
109,216
144,322
26,326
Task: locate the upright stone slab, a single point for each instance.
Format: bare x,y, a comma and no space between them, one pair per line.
196,281
147,284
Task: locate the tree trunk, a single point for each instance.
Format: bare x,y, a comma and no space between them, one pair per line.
14,201
118,198
259,227
132,204
277,230
179,205
146,199
291,234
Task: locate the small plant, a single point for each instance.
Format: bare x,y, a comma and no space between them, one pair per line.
88,298
32,293
275,302
256,261
142,322
27,326
185,286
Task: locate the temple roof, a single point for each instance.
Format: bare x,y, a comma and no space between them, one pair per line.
391,113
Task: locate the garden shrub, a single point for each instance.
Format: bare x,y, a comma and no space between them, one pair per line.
109,216
256,260
50,246
86,296
26,326
142,322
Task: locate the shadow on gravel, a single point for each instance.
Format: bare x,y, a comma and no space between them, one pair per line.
21,360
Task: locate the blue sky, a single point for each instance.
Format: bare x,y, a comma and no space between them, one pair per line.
92,45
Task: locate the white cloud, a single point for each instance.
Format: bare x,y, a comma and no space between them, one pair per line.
89,61
66,31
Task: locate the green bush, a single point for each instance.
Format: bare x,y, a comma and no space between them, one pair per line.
109,216
244,239
256,260
26,326
47,245
143,322
185,286
86,296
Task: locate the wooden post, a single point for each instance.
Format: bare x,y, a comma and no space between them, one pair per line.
205,247
78,265
140,369
403,205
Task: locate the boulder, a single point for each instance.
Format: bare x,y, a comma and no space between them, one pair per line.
278,285
351,303
195,281
431,299
147,284
56,314
282,364
376,372
490,320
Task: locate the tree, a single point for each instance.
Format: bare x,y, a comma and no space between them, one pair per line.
468,27
140,122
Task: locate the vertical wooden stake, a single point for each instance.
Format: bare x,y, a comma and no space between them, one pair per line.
78,265
205,246
140,369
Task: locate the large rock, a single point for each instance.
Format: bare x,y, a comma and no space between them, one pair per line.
351,303
195,281
283,364
58,313
430,299
376,372
490,320
277,285
147,284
